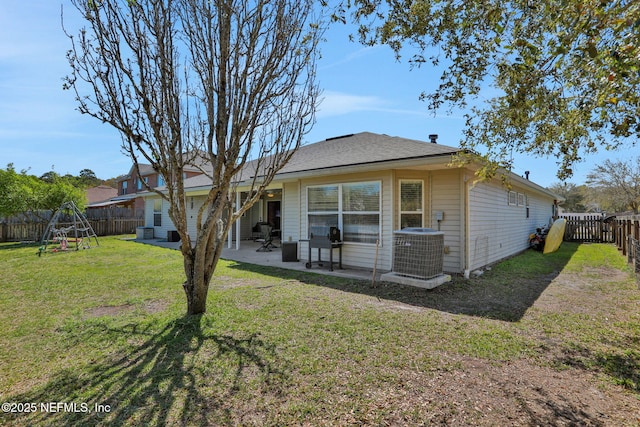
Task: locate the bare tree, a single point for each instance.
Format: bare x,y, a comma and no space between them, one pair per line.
228,83
616,185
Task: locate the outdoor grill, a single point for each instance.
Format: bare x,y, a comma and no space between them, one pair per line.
325,238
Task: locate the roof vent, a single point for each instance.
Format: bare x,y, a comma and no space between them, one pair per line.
433,138
339,137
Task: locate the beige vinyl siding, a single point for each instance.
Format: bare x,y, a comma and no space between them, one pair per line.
290,225
498,229
194,203
247,222
167,224
355,254
446,197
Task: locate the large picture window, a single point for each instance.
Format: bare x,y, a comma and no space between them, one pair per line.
411,206
352,207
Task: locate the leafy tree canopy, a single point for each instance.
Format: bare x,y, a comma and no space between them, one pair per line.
616,185
567,72
574,196
21,193
86,178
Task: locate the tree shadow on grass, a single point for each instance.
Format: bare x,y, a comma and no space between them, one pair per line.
619,362
504,293
179,375
8,246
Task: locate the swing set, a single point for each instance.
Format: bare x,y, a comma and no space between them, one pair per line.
65,234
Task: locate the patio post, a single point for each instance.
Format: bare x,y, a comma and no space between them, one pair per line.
238,199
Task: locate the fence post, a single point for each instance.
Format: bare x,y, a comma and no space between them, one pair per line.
636,261
619,233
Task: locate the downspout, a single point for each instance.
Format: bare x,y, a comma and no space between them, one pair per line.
300,218
430,209
465,211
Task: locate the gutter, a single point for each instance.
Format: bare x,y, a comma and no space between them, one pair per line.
434,159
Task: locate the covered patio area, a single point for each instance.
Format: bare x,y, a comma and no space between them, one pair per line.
247,253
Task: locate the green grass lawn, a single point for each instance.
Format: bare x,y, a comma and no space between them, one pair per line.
106,326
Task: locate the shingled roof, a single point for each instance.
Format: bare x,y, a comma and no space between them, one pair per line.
363,148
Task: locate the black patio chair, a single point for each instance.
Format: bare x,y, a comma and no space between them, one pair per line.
256,231
266,240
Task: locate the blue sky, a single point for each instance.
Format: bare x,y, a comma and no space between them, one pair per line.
365,89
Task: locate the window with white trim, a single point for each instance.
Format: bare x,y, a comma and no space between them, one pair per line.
157,213
352,207
323,208
145,179
411,203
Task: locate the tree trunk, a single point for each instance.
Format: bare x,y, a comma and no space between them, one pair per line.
196,290
199,265
196,285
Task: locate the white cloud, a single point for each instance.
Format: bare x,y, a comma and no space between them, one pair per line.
351,56
338,103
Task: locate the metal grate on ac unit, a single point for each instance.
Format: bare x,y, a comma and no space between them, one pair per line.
418,252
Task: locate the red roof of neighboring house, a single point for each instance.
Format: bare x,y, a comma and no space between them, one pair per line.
100,193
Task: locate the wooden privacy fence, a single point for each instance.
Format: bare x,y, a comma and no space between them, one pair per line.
599,229
115,226
627,229
624,231
627,239
589,229
33,230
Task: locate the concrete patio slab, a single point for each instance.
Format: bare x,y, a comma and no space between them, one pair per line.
248,254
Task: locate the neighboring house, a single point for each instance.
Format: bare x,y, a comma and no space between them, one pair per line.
100,194
132,185
369,185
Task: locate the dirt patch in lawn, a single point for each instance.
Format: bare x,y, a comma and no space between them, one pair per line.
584,371
153,306
109,310
587,373
509,394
